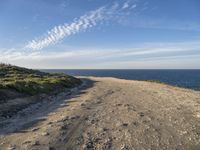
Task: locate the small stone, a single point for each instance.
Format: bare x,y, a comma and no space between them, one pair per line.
26,142
74,117
12,147
82,104
64,127
197,115
136,124
141,114
35,129
45,133
50,122
90,145
124,147
2,143
125,124
52,148
118,104
36,143
105,129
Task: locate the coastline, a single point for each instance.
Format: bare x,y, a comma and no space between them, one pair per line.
111,113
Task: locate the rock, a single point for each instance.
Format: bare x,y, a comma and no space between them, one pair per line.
74,117
2,143
89,145
126,105
118,123
65,119
62,133
36,143
52,148
12,147
86,118
82,104
124,147
118,104
26,142
136,124
50,123
141,114
125,124
64,127
107,144
105,129
45,133
35,129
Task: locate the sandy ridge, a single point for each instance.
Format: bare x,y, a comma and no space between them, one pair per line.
110,113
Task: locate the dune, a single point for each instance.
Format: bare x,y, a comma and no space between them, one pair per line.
108,113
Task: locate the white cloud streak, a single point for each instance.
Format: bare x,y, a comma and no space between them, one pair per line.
72,59
126,5
59,32
84,22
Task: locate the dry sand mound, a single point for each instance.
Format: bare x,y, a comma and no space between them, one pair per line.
109,113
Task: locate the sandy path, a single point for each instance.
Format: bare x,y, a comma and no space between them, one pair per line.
112,114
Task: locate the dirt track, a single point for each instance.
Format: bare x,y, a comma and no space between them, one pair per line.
109,113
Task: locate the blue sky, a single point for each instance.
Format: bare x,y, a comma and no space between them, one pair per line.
125,34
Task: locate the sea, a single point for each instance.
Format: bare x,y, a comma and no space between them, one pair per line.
181,78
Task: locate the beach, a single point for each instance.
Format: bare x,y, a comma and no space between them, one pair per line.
107,113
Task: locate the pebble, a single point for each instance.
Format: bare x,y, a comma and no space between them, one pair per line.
50,122
12,147
125,124
52,148
26,142
35,129
141,114
90,145
105,129
2,143
64,127
136,124
74,117
126,105
36,143
118,104
45,133
82,104
124,147
65,119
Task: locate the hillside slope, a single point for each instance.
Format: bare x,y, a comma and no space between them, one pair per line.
16,82
21,87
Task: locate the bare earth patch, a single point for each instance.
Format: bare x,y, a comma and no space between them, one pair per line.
106,114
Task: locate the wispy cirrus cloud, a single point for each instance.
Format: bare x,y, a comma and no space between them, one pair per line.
86,21
59,32
126,5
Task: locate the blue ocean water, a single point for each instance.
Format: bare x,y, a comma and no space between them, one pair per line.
182,78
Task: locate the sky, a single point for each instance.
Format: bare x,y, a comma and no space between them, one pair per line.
100,34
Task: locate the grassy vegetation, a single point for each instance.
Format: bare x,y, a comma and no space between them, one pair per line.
155,81
33,82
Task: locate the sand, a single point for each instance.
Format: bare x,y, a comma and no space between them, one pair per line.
106,114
